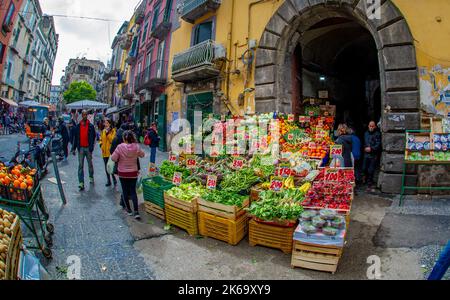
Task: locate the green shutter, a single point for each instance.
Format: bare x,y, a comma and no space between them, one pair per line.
162,122
203,101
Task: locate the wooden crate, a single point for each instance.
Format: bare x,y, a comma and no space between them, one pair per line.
186,206
221,210
155,210
271,236
315,257
13,255
223,229
182,219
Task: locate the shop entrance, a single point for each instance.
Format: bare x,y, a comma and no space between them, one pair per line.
367,63
339,57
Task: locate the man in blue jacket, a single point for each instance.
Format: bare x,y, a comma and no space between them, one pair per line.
372,148
84,142
356,151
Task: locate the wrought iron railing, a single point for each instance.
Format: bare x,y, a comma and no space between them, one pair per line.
196,56
152,75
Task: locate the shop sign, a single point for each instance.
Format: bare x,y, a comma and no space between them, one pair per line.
177,178
211,182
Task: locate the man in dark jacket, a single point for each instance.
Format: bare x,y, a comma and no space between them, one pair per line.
84,142
154,141
119,137
372,148
64,132
345,139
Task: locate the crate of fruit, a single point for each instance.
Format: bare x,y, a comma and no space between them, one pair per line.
10,245
223,229
224,204
154,189
183,219
271,236
18,183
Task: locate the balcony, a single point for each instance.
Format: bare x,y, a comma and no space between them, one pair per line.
197,63
194,9
161,25
127,92
127,41
140,13
153,76
8,27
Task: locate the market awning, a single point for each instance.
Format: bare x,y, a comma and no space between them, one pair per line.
124,109
87,104
30,103
9,102
111,110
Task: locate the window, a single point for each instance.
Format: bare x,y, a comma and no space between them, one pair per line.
8,74
9,15
203,32
155,16
2,52
144,35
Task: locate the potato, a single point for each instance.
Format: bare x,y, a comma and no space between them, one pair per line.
3,248
2,266
8,231
6,223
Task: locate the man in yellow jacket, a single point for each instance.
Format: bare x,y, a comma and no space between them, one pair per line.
106,139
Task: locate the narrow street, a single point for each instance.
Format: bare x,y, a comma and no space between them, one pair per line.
111,245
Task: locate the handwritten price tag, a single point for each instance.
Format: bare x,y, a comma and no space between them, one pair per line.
331,175
211,182
238,163
191,162
336,150
152,170
290,137
284,170
172,157
291,118
308,119
302,119
177,178
276,184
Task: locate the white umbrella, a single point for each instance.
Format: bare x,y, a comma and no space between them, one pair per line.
30,103
87,104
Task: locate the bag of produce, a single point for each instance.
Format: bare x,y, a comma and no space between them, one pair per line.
308,215
328,214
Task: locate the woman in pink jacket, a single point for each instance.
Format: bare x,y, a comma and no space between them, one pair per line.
127,156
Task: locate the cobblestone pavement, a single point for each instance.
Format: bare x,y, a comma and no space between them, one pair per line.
91,226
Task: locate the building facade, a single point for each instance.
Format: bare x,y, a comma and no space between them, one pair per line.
9,11
82,69
48,59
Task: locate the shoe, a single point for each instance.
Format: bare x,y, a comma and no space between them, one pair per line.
81,187
137,216
91,180
130,213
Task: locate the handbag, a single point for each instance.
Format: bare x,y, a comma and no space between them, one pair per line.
147,141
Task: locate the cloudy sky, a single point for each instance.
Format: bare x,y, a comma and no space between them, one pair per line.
81,37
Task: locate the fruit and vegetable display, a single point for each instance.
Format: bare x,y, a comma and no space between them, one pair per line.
261,166
6,221
283,206
17,183
332,195
225,198
168,169
239,181
326,221
187,192
204,169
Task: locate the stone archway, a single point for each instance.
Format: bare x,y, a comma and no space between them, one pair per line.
397,61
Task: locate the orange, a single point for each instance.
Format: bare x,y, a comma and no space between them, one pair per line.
2,175
7,181
23,186
16,184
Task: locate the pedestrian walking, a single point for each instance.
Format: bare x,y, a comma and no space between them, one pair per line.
7,124
64,132
356,151
345,139
372,147
152,140
106,138
442,264
84,141
127,157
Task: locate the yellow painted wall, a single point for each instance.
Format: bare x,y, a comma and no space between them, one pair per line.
432,44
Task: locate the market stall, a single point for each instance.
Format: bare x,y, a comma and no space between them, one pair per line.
286,190
10,245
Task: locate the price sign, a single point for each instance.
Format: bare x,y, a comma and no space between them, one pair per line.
214,151
285,170
312,101
191,162
290,137
336,150
291,118
276,184
177,177
311,113
308,119
331,175
152,170
211,182
320,123
320,134
172,157
238,163
302,119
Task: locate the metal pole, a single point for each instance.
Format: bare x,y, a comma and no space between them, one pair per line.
58,178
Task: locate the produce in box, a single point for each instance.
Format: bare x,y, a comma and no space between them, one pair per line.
187,192
6,221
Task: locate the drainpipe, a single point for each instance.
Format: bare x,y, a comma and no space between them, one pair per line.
230,47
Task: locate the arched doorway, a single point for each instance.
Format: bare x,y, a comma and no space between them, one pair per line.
370,63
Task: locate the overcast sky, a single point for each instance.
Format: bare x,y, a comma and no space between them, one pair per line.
81,37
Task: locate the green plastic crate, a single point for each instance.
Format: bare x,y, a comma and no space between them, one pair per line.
156,195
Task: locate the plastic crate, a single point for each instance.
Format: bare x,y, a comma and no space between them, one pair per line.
223,229
155,195
182,219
